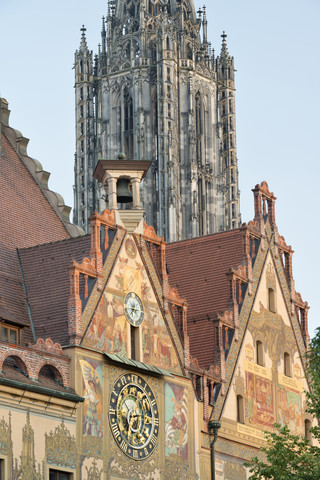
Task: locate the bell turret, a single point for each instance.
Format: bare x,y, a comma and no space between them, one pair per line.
121,179
123,191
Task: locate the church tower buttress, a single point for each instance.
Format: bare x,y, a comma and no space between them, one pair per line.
157,96
85,186
228,151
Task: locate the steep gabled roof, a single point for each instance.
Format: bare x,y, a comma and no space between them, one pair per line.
30,214
46,276
198,269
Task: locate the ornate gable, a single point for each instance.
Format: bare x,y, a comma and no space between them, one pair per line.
127,317
265,367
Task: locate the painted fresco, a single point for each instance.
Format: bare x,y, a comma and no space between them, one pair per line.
290,409
108,328
156,342
259,400
176,420
93,403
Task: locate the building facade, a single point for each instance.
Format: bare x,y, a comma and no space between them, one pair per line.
117,349
155,91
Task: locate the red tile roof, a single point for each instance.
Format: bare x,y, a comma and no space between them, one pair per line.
46,274
27,218
198,269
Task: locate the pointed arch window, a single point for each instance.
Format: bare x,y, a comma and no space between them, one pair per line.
271,300
189,52
259,351
287,364
128,124
198,127
154,7
240,409
307,433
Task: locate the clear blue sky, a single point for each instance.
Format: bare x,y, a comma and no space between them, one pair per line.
276,47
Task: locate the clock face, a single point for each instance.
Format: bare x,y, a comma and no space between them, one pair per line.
134,417
133,309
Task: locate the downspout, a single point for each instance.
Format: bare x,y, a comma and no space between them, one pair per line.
213,430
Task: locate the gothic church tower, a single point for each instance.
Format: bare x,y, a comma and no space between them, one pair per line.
156,92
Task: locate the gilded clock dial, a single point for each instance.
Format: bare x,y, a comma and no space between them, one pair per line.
134,417
133,308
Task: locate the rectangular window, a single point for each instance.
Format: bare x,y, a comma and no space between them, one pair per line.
2,469
9,334
57,475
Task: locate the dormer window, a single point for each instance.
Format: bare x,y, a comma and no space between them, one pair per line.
9,334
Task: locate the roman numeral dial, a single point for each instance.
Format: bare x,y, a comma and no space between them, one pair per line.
134,416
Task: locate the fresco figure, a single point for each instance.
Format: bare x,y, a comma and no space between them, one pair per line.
107,331
259,400
93,404
156,341
290,410
176,426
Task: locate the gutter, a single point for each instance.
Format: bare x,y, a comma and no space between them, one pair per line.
72,397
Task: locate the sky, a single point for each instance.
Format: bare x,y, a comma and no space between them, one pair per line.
276,49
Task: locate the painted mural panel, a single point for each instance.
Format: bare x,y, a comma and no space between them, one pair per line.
93,393
108,328
259,404
176,420
156,342
290,401
259,400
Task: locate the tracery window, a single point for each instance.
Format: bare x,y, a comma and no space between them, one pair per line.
198,127
155,7
128,124
131,8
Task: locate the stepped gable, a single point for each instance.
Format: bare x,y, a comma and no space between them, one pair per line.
25,183
46,275
198,269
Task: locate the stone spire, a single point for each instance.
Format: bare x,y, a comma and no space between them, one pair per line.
228,152
84,191
83,42
224,49
157,91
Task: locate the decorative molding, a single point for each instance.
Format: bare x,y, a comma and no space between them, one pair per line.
150,234
5,437
177,468
96,292
48,346
92,447
93,473
61,447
